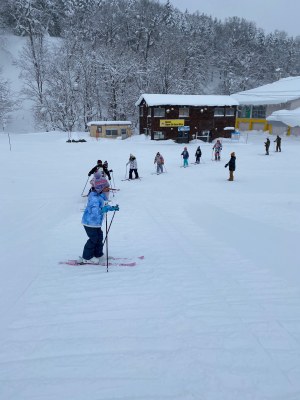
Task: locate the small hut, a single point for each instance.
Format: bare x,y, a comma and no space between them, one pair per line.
110,129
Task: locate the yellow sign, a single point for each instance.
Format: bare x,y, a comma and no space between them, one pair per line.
171,122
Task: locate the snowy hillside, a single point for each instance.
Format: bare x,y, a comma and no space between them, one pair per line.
21,120
211,313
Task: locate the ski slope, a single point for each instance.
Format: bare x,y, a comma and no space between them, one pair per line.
211,313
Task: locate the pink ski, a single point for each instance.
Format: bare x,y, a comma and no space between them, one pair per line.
126,258
102,264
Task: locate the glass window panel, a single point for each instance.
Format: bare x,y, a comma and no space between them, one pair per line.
258,112
229,112
159,112
219,112
184,111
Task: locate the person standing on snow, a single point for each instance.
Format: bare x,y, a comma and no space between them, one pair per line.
267,146
185,156
231,164
159,161
198,155
92,221
217,148
278,143
132,167
101,168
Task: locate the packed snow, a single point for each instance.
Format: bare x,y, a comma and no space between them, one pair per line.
281,91
287,117
211,313
186,100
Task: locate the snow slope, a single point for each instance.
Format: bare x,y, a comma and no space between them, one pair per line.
212,312
20,120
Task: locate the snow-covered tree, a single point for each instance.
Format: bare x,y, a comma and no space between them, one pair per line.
116,49
61,107
7,100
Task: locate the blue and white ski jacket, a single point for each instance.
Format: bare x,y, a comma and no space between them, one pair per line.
93,214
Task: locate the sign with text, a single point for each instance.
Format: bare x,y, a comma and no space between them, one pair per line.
171,122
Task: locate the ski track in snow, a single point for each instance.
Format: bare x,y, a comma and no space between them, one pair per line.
212,312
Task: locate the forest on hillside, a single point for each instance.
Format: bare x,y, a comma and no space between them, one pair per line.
91,59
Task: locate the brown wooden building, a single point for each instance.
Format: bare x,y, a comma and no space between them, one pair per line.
186,117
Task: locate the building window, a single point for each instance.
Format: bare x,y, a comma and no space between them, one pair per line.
184,112
123,131
99,129
149,112
258,112
141,111
158,135
111,132
229,112
244,112
159,112
219,112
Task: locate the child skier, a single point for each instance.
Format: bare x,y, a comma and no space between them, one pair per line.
132,167
185,156
231,164
92,221
198,155
159,161
103,168
217,148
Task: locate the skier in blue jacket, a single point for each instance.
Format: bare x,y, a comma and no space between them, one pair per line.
92,220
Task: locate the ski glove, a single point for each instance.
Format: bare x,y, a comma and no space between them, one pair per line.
226,165
107,208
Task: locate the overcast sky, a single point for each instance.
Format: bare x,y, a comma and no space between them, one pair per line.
267,14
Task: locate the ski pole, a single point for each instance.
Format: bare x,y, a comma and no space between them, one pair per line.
113,179
106,239
112,175
111,189
165,168
85,185
109,226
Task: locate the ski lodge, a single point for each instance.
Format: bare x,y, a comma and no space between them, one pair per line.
274,107
110,129
186,117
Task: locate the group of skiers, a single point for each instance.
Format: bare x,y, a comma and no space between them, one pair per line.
97,205
278,144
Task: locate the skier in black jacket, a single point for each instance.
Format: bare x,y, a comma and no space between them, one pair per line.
231,164
267,146
198,155
278,143
100,167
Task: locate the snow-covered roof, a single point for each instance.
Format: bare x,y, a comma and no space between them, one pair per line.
186,100
287,117
281,91
109,123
